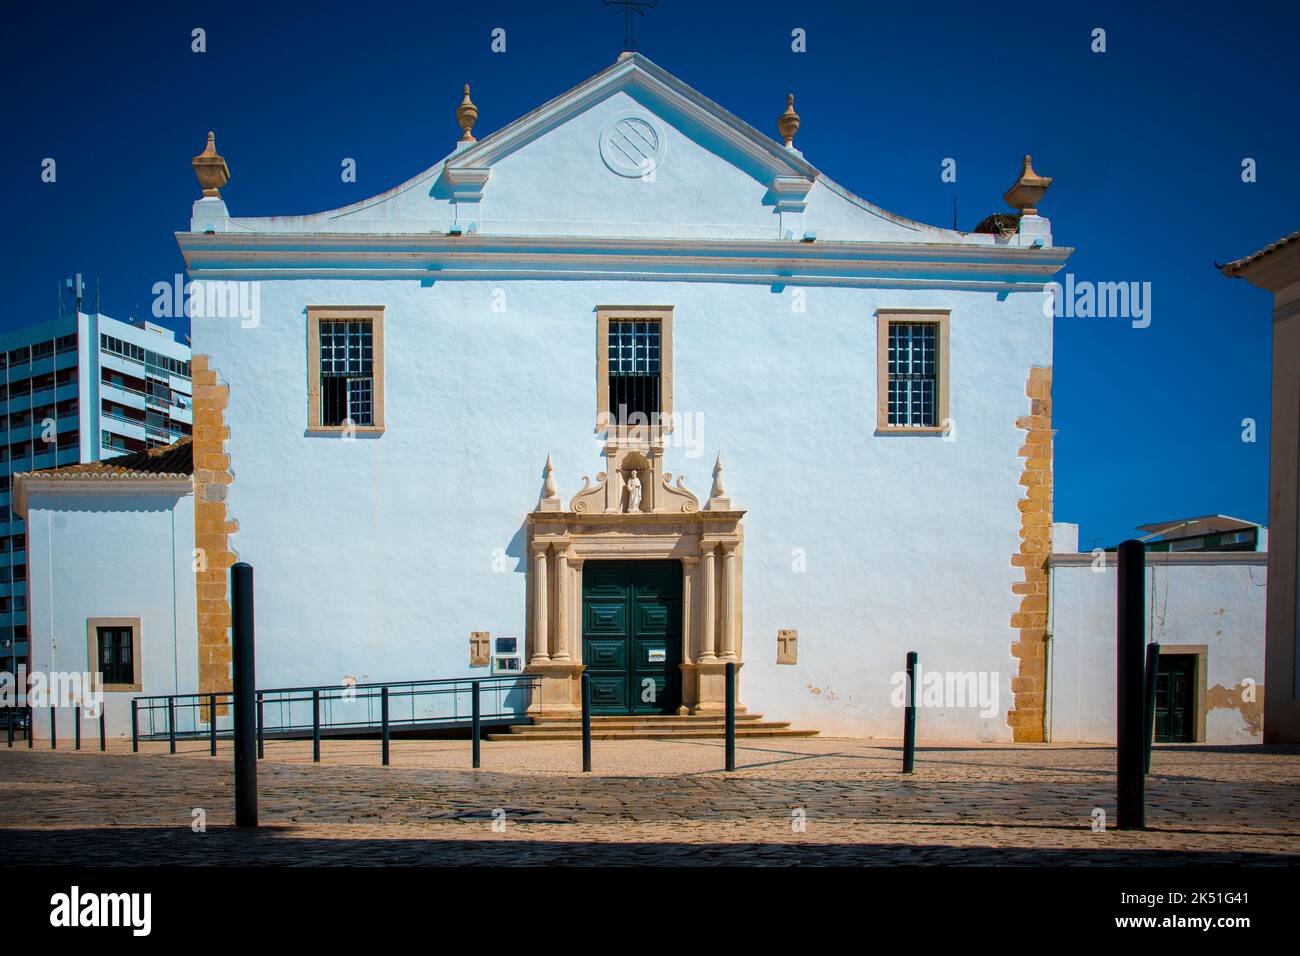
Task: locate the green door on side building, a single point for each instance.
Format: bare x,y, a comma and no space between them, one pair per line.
632,635
1176,699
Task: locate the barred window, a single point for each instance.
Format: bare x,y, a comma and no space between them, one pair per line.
116,663
913,374
345,355
634,370
346,372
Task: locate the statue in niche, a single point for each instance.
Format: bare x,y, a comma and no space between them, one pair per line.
633,492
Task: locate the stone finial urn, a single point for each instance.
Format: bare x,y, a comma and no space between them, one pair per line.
467,116
788,122
211,169
1026,191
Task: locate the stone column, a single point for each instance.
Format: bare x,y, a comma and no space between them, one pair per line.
563,608
728,603
688,612
707,638
575,608
541,585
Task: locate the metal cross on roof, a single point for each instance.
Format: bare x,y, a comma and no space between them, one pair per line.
630,7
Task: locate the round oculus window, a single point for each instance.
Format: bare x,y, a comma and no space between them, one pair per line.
631,145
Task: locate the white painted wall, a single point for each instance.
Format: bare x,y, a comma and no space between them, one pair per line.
112,555
375,557
1216,600
1065,537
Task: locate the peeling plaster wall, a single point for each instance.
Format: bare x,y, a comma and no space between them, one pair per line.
1218,604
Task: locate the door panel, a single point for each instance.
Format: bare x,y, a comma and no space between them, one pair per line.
632,637
1176,699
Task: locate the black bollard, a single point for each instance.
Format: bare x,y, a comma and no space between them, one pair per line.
383,717
315,726
103,729
171,723
244,694
54,737
9,727
586,722
212,724
1130,595
731,715
476,721
909,715
261,727
1149,723
135,727
76,714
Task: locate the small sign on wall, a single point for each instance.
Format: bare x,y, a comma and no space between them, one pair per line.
505,656
657,656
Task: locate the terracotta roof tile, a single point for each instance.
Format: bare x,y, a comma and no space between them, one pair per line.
1232,268
174,459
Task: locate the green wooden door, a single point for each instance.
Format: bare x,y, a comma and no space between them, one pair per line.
1176,699
632,635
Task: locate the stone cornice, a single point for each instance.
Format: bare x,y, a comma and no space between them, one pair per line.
337,255
1161,558
26,484
630,520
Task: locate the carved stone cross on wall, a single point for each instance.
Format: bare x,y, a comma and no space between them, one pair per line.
787,646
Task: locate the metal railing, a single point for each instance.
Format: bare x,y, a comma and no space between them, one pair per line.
340,710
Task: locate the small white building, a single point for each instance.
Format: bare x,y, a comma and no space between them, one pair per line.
1206,582
109,566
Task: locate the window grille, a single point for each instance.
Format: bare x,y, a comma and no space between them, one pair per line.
346,372
115,661
913,374
634,371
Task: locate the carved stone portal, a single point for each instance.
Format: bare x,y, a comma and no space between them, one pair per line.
608,520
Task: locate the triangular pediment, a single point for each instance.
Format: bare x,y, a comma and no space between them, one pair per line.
660,93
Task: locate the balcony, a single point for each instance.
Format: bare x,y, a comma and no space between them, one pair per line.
121,364
122,395
19,403
122,426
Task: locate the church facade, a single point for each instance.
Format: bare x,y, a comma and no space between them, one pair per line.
642,388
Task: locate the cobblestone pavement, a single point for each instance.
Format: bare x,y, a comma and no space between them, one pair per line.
650,802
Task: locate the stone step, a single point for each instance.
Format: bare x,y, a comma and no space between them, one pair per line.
683,733
667,720
666,728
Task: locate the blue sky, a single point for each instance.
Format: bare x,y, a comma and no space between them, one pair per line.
1145,142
